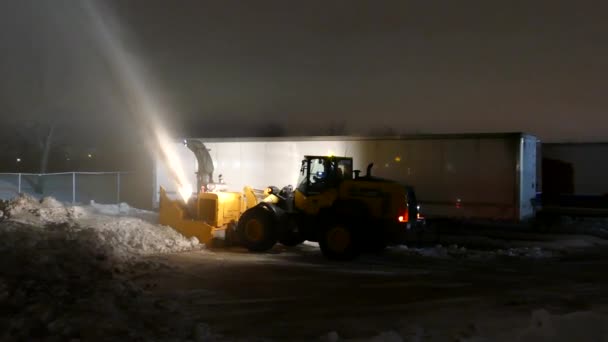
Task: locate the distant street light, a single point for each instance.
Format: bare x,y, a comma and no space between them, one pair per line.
90,155
18,160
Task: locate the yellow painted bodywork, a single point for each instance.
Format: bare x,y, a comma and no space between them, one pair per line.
382,200
271,199
210,215
313,203
250,198
175,215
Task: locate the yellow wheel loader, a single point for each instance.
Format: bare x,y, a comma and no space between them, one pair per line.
332,204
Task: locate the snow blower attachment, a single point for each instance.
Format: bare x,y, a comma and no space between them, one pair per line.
209,216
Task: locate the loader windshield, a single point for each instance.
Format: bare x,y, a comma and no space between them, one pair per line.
303,178
319,173
344,169
314,175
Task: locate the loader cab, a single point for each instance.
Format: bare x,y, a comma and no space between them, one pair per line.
320,173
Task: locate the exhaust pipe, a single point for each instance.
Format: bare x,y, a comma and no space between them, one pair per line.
369,170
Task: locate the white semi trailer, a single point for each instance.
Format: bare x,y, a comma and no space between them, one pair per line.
464,176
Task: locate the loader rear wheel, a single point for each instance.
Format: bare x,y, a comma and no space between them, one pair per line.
257,229
339,242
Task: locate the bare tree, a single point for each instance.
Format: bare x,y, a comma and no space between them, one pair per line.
41,136
34,131
37,139
45,144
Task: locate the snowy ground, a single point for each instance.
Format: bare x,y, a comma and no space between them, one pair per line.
65,272
294,294
107,272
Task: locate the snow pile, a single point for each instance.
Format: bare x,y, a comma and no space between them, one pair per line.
50,202
455,251
28,209
123,209
120,236
55,284
113,209
127,236
63,275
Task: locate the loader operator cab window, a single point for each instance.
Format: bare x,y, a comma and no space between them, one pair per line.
345,169
319,174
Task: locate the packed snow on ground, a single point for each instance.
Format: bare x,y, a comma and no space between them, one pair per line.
455,251
585,326
311,244
64,271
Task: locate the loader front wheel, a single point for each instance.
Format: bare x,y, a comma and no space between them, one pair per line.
257,229
339,242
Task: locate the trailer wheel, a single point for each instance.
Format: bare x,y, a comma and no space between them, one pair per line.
339,242
257,229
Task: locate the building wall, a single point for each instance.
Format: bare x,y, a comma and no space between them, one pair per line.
475,176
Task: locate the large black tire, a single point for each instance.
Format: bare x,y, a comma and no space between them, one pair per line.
257,229
339,241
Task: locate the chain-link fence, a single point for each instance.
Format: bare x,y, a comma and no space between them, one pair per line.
70,187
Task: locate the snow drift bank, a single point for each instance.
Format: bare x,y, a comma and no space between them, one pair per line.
123,209
62,274
104,227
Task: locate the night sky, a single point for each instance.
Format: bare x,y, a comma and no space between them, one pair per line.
414,66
